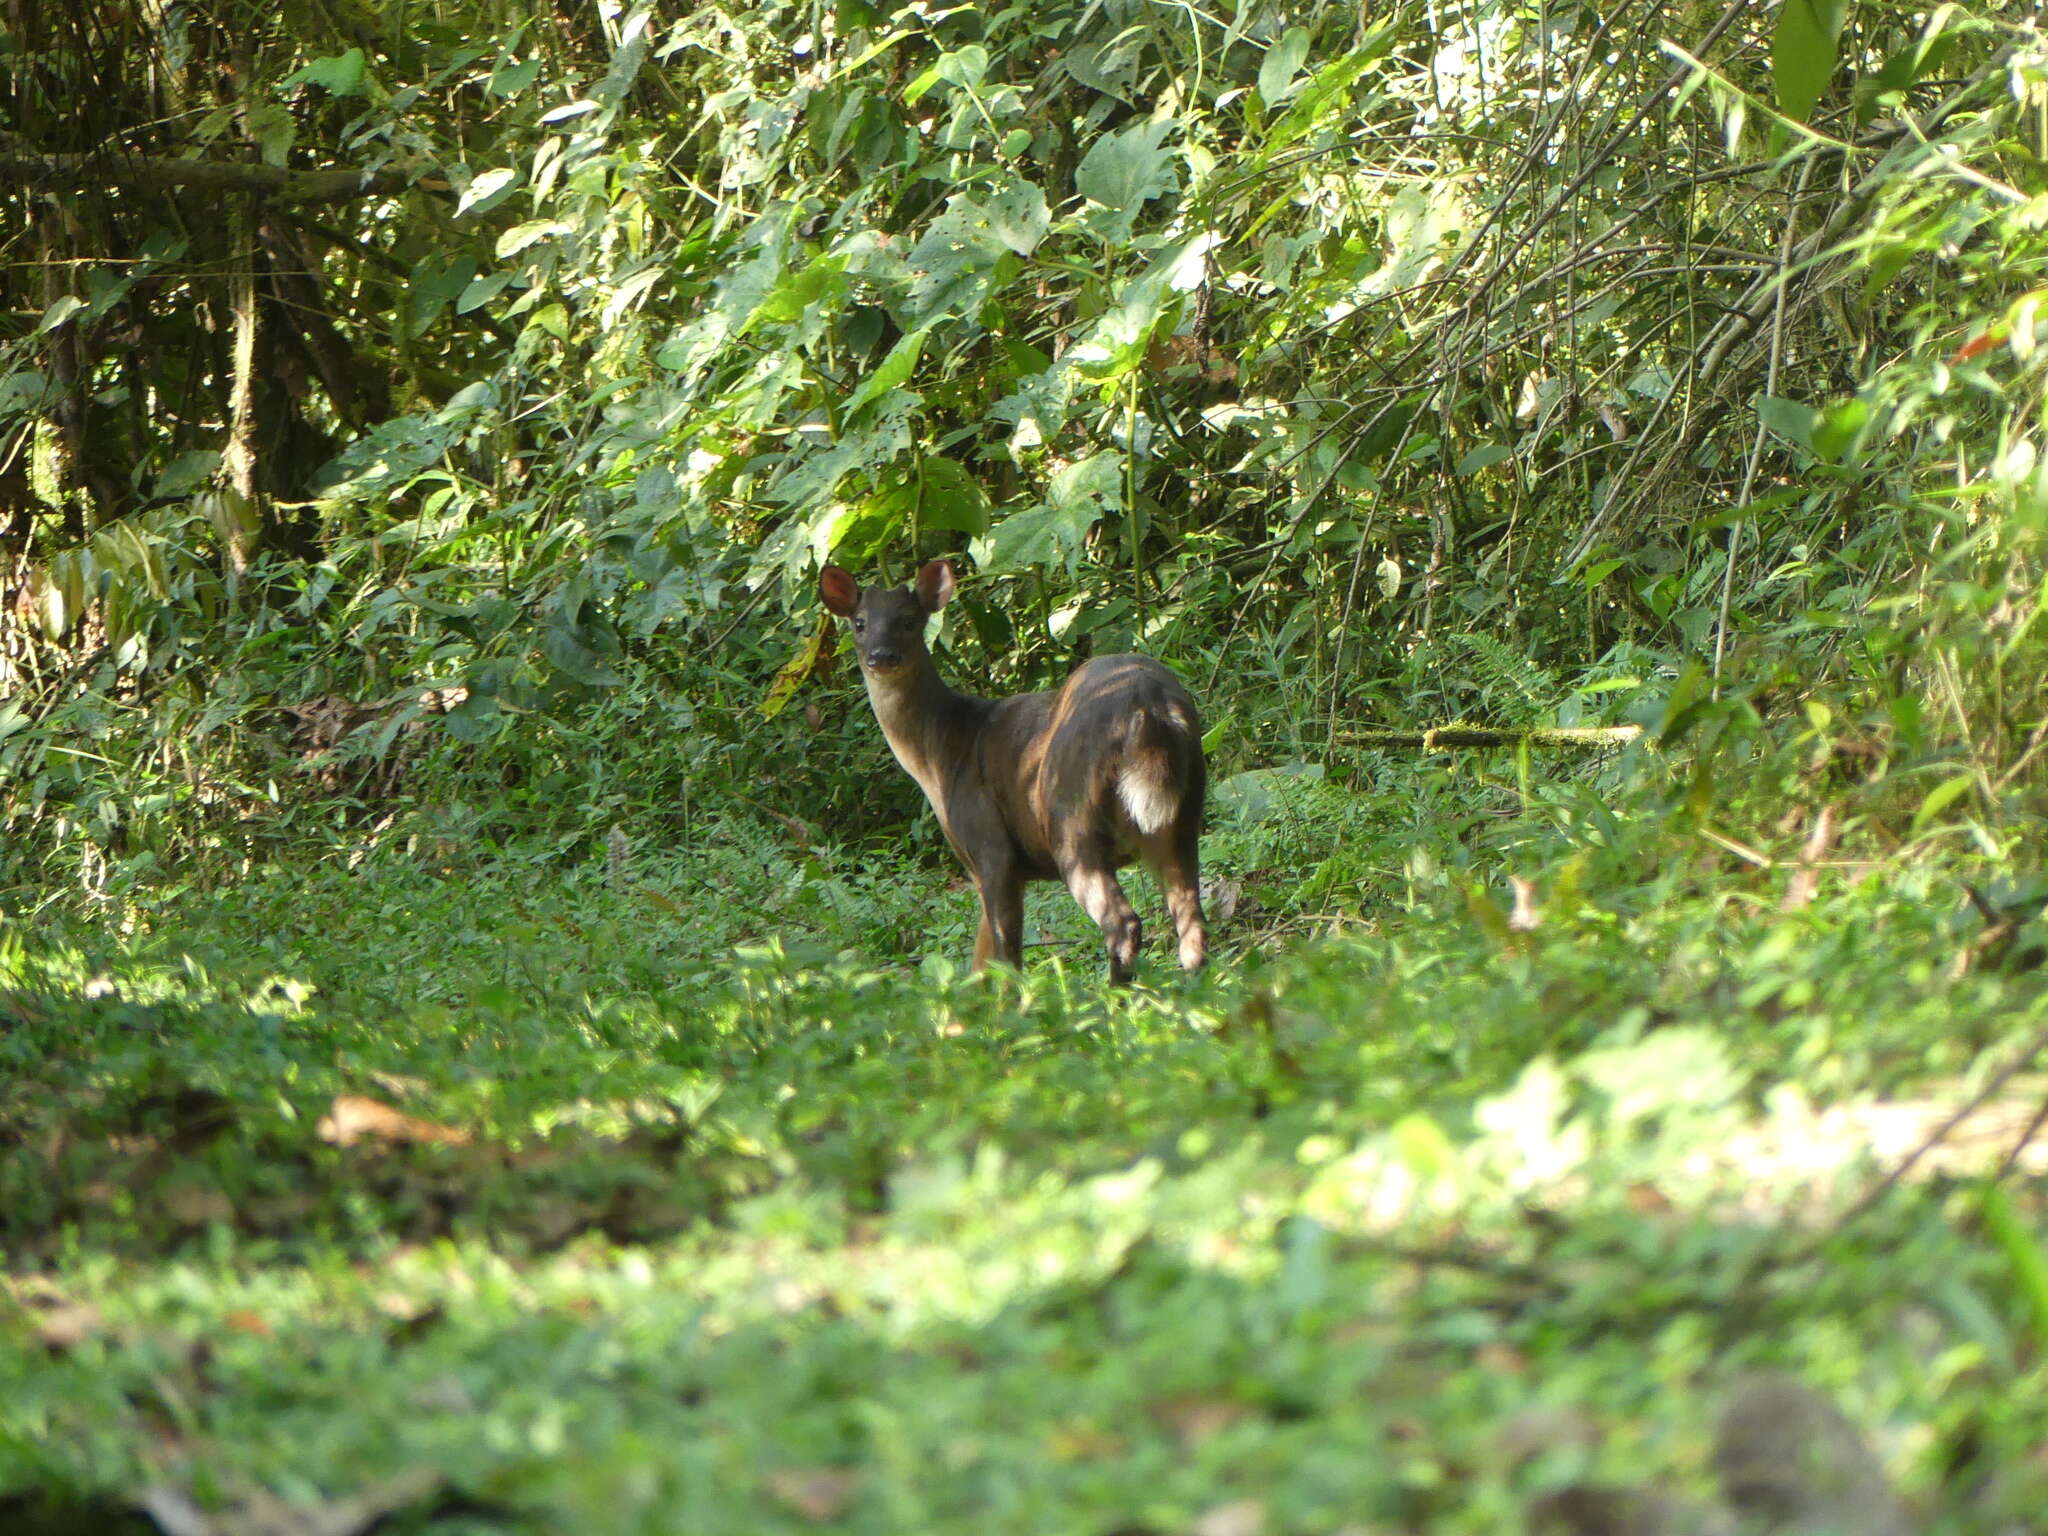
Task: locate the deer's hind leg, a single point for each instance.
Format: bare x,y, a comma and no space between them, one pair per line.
1174,856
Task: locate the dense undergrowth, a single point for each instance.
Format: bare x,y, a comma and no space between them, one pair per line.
528,1187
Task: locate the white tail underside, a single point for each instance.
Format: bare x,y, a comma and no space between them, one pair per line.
1148,794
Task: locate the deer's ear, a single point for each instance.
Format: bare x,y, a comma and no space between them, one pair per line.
838,591
934,584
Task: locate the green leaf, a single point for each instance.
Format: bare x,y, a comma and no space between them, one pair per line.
510,79
1124,171
893,373
1940,798
1018,217
1788,419
342,74
481,290
272,129
950,499
1122,336
435,285
1282,64
951,265
1803,52
1423,1148
187,473
520,236
1330,89
2021,1245
1839,427
59,312
476,719
1482,457
568,648
1054,531
484,192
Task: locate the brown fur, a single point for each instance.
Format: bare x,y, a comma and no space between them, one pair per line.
1041,786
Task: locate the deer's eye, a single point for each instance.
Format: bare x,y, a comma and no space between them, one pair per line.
859,623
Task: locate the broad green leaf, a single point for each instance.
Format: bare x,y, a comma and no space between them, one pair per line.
187,473
1788,419
520,236
434,287
481,290
1482,457
1419,221
948,498
1124,171
510,79
567,647
1033,538
483,191
1089,488
1835,433
893,373
342,74
631,290
1017,216
476,719
59,312
1330,88
951,265
1803,52
1122,336
820,284
270,125
965,66
1282,64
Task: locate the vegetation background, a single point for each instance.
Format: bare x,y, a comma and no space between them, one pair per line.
483,1040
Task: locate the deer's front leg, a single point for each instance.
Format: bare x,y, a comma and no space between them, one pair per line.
1002,919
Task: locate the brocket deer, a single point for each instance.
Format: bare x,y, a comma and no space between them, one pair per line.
1069,785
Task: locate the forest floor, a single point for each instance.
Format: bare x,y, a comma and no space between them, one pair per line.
465,1188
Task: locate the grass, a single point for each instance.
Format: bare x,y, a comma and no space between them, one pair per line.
488,1189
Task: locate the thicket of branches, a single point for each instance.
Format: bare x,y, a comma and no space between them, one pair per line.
1472,360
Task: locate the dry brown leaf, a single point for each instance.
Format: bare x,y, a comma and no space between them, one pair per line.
1220,898
265,1514
67,1325
1647,1200
1500,1359
1194,1420
816,1493
1083,1442
245,1321
197,1205
1547,1427
1240,1517
353,1118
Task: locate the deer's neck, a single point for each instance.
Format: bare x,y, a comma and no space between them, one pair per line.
929,726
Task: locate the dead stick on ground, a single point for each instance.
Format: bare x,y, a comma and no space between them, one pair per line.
1441,737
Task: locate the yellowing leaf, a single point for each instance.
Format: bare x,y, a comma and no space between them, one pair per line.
798,669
